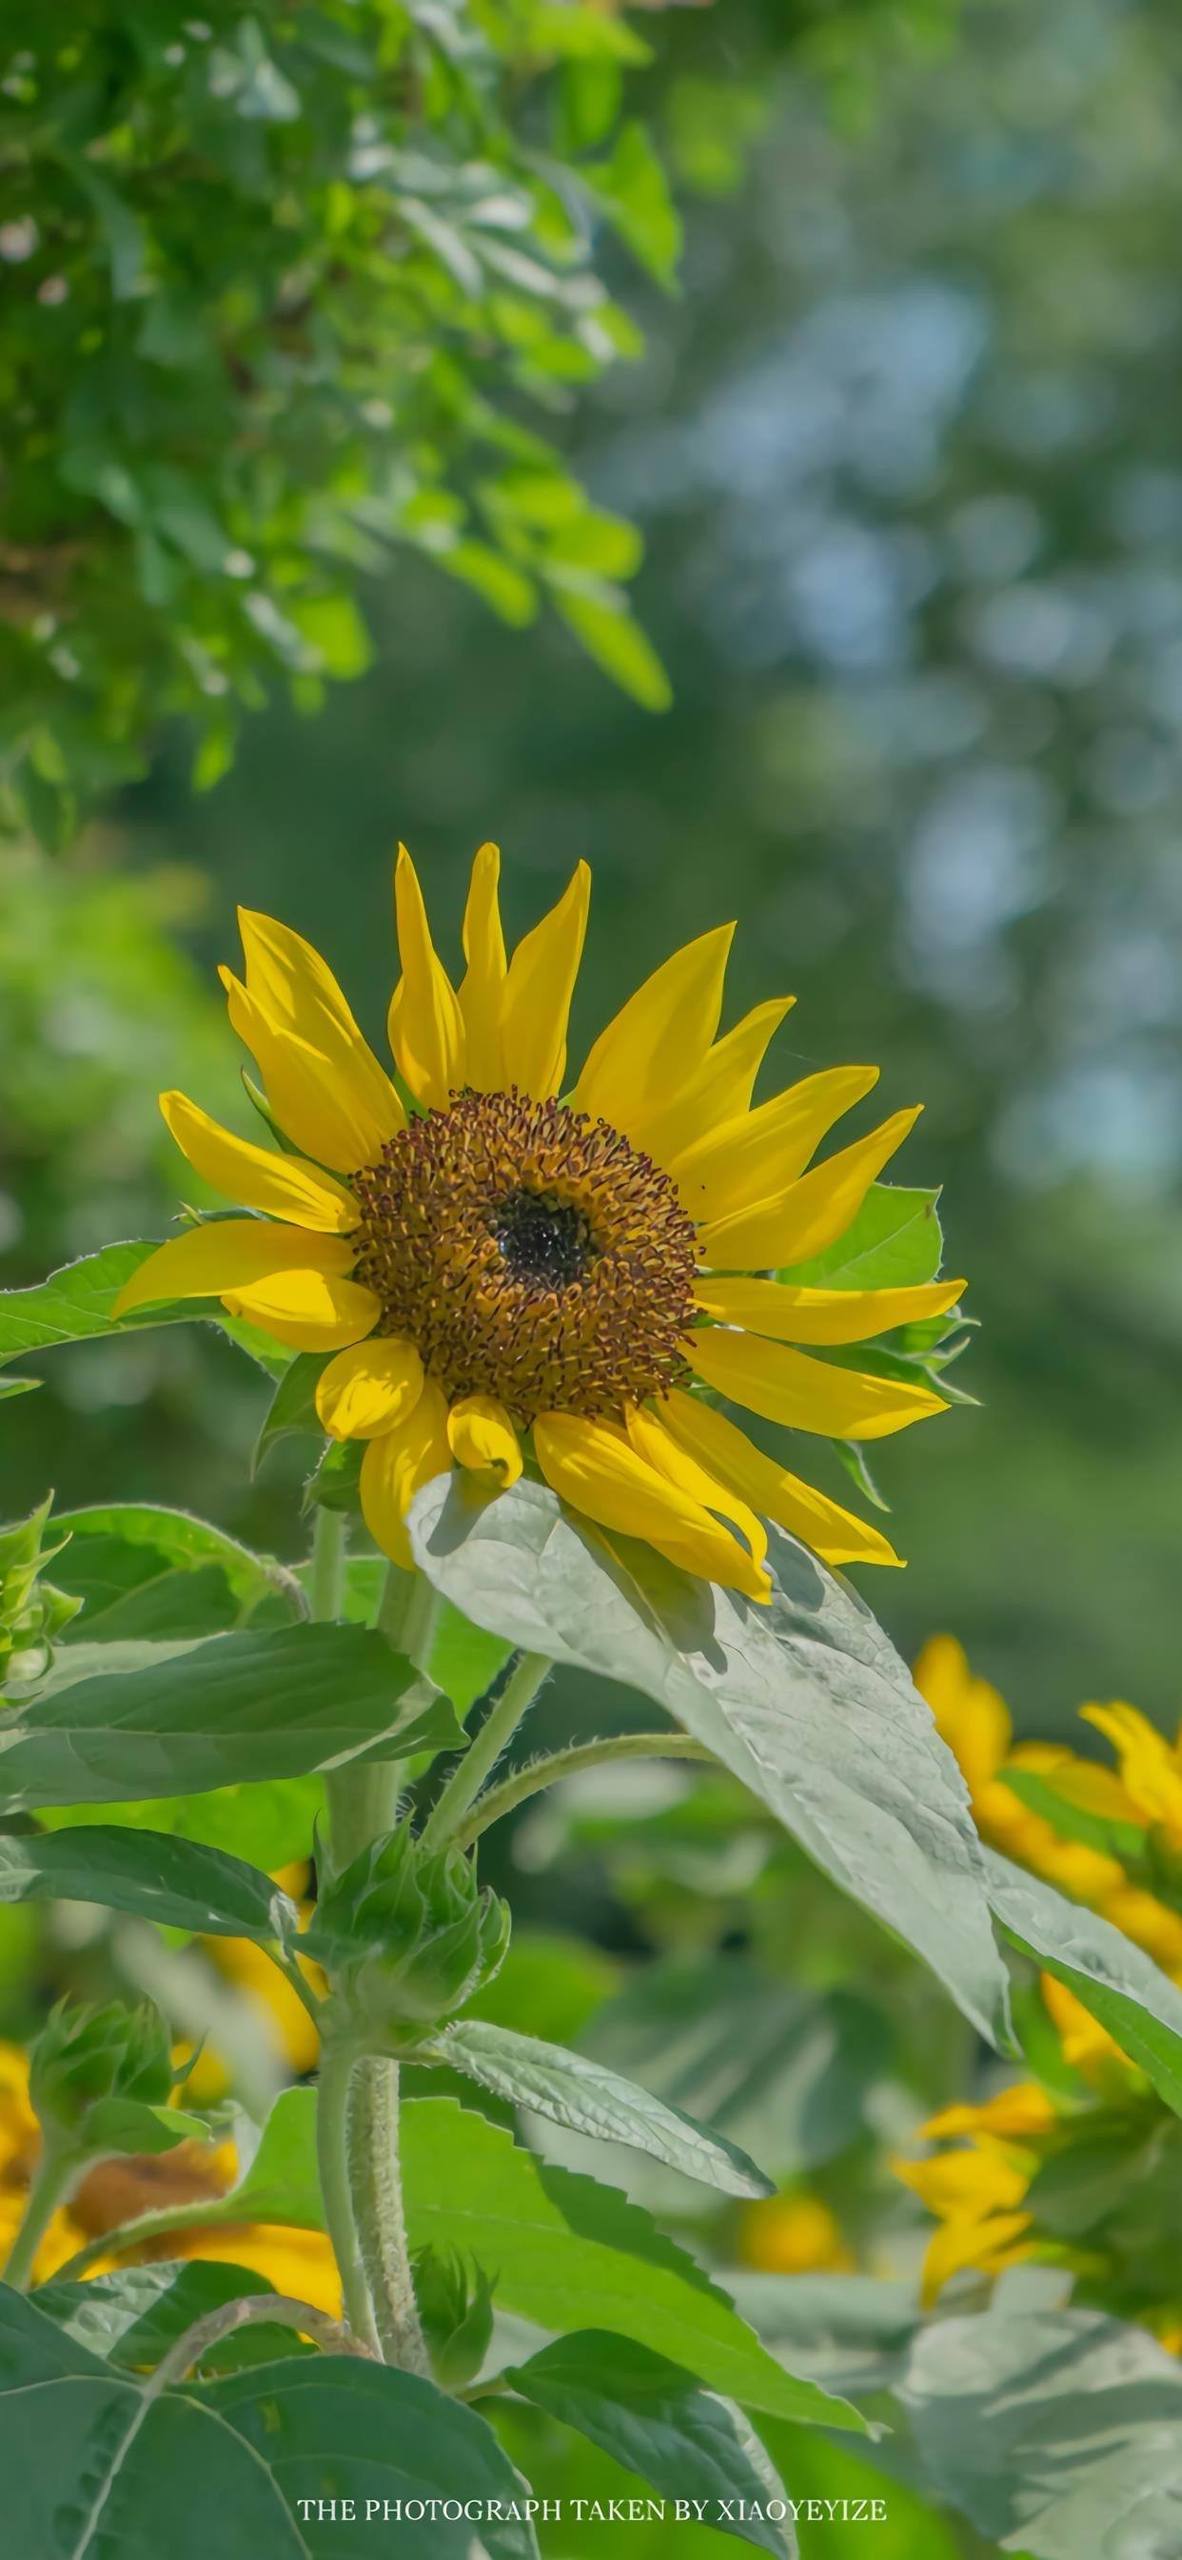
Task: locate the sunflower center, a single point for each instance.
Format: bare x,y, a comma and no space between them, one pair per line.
530,1254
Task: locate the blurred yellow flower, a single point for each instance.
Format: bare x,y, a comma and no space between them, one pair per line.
500,1260
975,1723
792,2235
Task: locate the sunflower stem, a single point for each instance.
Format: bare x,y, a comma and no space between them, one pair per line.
357,2107
55,2178
556,1765
484,1751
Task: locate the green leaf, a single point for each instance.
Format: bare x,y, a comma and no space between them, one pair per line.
652,2417
1056,2433
130,2318
74,1305
268,1824
586,2097
173,1882
127,2125
1122,1987
328,2427
601,619
461,1659
893,1243
94,2470
141,1571
568,2253
112,1721
805,1701
293,1406
634,191
785,2075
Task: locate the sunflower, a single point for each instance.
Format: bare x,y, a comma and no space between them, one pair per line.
506,1273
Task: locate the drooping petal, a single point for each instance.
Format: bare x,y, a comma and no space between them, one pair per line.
807,1215
999,2241
660,1036
228,1253
655,1445
737,1164
481,1436
592,1466
312,1092
538,991
282,1186
969,1714
396,1465
1150,1770
307,1310
482,994
719,1092
297,994
807,1395
828,1316
426,1025
369,1388
834,1534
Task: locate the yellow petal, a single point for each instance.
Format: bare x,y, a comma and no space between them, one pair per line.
833,1534
721,1089
809,1214
312,1093
296,994
426,1025
307,1310
968,1713
829,1316
481,1436
225,1254
738,1163
538,991
592,1467
661,1035
1013,2113
395,1466
369,1388
989,2245
1149,1768
257,1176
808,1395
482,994
655,1445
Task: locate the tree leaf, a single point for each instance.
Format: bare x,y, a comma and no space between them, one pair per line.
600,617
174,1882
571,2254
805,1701
330,2427
1056,2433
893,1243
112,1721
588,2098
651,2416
142,1571
1122,1986
94,2470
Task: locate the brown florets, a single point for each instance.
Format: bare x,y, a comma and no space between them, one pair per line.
531,1254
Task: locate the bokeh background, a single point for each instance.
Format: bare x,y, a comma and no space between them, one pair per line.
907,456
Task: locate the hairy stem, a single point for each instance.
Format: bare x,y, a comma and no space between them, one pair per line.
57,2175
188,2350
556,1765
332,2153
376,2184
484,1751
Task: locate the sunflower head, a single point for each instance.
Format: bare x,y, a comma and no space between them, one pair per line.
502,1274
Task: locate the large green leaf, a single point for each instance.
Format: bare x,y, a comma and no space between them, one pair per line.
141,1571
571,2254
95,2470
332,2427
586,2097
75,1305
139,1719
654,2419
271,1824
175,1882
1056,2432
1122,1987
806,1701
